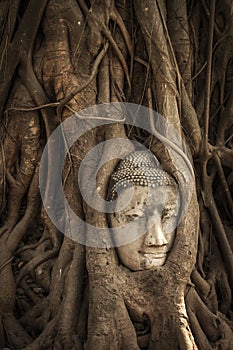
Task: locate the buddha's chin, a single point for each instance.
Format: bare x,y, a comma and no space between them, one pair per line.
142,261
151,261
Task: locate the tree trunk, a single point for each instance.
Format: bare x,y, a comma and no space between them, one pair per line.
59,58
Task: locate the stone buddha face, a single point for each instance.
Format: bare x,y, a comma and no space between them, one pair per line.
158,208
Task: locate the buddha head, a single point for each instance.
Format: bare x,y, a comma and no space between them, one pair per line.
152,199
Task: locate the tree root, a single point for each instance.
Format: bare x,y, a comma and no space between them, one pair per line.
45,339
16,335
88,81
71,303
207,327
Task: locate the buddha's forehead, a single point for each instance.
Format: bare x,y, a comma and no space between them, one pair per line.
142,196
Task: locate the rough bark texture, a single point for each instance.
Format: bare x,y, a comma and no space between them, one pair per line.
57,58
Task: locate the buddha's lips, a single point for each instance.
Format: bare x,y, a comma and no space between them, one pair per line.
154,254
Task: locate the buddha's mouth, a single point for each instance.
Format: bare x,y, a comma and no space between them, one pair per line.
155,251
150,261
154,255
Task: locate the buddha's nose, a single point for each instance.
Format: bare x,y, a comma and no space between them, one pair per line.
155,236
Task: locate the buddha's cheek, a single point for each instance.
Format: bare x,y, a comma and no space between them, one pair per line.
129,255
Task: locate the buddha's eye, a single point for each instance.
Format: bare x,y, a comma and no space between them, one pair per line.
134,214
168,212
132,217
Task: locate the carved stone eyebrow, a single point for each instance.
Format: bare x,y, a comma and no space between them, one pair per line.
174,206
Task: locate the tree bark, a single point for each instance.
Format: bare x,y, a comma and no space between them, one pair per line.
58,58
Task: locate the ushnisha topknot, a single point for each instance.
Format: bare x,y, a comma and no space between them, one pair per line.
139,168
